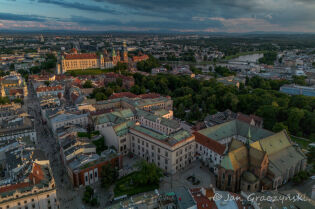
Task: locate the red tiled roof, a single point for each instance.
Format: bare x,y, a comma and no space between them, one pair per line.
101,111
248,118
80,56
140,58
15,92
203,202
149,96
40,77
14,187
122,94
62,77
37,174
211,144
256,118
49,88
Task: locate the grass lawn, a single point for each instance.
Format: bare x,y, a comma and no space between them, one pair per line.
87,72
303,143
125,186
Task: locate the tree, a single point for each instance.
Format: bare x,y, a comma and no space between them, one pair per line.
100,96
223,71
47,83
11,66
279,127
88,84
180,111
4,100
300,80
148,173
88,196
109,175
269,58
148,64
295,116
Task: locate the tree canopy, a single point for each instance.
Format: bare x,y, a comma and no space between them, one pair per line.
194,99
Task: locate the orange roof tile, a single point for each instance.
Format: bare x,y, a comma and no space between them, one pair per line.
14,187
80,56
49,88
210,143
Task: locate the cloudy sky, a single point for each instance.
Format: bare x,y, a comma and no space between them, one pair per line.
159,15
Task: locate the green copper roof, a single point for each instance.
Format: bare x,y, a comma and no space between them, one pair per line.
180,135
151,133
226,163
235,127
125,113
108,117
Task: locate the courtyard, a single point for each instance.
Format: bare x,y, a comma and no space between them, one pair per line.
183,178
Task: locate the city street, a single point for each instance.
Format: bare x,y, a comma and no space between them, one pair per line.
67,196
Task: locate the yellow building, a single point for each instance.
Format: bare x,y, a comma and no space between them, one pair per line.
83,61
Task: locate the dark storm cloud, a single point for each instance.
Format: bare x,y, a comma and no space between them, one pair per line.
167,25
80,6
185,15
18,17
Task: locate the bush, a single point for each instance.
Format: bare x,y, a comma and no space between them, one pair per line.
127,185
100,145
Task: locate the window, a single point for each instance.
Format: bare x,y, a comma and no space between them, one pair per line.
86,178
248,187
95,174
229,180
166,153
47,195
158,150
25,201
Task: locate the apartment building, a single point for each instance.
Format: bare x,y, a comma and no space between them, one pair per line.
82,163
50,90
67,118
17,127
36,190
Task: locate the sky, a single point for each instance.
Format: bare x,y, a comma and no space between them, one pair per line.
231,16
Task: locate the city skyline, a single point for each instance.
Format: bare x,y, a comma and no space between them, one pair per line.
297,16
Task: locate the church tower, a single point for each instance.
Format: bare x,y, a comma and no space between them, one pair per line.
114,57
125,52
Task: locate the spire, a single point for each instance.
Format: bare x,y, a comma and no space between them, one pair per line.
114,53
249,135
125,45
